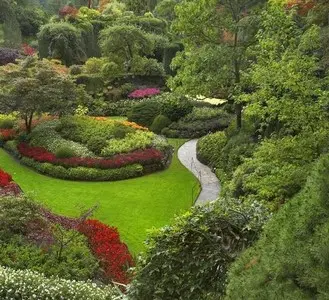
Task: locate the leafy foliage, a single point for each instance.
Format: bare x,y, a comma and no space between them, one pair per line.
189,259
290,259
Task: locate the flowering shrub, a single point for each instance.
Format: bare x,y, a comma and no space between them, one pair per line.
104,242
143,93
28,50
106,245
8,134
7,185
144,157
26,284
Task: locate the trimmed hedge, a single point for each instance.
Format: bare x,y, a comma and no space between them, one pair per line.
26,284
85,174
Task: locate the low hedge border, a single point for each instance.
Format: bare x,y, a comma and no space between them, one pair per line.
89,174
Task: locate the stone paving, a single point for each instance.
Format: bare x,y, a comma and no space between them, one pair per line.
209,182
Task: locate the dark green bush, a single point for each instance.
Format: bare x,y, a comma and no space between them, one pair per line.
159,123
290,261
74,261
144,113
75,70
65,152
96,144
174,106
15,213
189,259
7,124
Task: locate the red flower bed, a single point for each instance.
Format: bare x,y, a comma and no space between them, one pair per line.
7,185
8,134
144,157
107,247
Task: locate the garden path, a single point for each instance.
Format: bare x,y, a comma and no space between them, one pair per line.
209,182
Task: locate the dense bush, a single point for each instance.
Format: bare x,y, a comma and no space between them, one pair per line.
65,152
174,107
278,169
26,284
144,113
8,56
189,259
83,173
159,123
290,261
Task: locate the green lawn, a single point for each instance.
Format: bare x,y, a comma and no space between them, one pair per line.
133,205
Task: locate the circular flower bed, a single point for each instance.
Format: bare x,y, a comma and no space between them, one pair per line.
93,149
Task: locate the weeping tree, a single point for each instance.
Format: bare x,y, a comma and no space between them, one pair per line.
124,44
61,41
11,30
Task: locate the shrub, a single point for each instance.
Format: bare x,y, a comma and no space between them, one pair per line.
26,284
7,123
65,152
73,261
189,259
174,107
144,93
75,70
144,113
290,260
83,173
8,56
159,123
96,144
94,65
209,148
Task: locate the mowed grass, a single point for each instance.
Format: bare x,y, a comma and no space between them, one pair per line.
133,206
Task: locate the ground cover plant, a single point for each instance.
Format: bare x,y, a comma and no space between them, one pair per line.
132,206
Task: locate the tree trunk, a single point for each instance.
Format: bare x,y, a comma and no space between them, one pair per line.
89,3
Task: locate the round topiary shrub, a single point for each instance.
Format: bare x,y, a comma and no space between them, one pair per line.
65,152
96,144
7,124
144,113
159,123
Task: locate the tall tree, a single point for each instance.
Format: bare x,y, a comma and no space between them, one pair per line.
216,35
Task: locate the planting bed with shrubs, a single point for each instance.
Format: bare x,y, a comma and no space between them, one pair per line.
85,148
57,250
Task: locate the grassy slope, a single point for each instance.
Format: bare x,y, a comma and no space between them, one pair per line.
133,205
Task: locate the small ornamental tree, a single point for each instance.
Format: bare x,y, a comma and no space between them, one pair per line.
125,42
33,87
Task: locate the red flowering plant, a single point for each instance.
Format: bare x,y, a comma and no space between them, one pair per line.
144,157
28,50
8,134
144,93
106,245
104,242
7,185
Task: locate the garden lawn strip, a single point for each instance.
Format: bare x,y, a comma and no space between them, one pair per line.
133,206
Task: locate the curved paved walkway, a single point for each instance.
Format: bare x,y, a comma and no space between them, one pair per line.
209,182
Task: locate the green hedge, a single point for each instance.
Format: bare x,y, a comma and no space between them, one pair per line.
290,261
85,174
25,285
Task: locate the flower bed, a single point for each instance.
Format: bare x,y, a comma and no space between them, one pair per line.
144,93
143,157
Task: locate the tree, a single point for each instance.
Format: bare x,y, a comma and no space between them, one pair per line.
124,43
216,35
33,87
61,41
